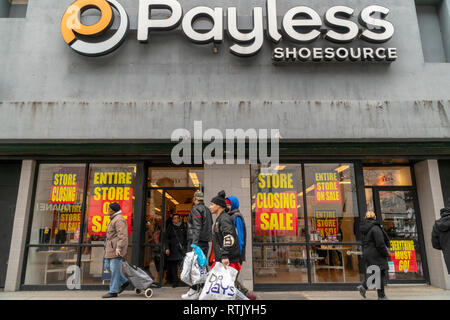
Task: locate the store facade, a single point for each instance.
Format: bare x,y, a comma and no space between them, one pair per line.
361,114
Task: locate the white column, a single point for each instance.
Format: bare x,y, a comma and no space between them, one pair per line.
431,201
21,219
235,180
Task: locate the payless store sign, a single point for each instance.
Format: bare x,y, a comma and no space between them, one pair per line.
299,24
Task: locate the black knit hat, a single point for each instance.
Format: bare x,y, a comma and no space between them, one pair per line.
115,206
220,199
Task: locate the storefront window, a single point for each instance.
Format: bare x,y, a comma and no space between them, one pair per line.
335,263
331,200
277,204
175,177
399,221
56,221
387,176
280,264
108,183
55,239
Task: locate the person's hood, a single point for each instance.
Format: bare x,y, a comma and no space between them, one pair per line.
443,224
367,225
234,202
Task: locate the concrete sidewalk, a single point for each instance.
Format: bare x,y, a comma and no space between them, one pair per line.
168,293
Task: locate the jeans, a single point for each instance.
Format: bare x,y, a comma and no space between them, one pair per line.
114,266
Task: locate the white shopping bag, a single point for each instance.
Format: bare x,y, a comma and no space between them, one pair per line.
185,275
198,274
219,284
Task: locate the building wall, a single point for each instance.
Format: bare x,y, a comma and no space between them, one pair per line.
145,91
430,201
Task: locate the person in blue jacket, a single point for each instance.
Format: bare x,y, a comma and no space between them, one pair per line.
239,223
241,230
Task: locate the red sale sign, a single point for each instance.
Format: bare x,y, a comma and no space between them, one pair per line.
276,204
108,187
403,254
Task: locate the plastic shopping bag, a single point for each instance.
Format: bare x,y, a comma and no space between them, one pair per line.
185,275
202,262
219,284
198,274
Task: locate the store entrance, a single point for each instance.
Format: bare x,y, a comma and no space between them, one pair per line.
397,211
170,192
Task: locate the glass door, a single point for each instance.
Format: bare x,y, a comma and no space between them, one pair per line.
397,212
170,191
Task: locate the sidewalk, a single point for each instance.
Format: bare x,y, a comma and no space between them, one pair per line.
168,293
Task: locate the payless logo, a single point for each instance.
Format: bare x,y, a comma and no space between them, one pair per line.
85,39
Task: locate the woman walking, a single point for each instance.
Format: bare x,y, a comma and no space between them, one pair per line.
375,252
175,247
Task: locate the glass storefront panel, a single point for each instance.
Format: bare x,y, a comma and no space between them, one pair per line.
331,200
48,266
399,221
387,176
58,203
108,183
177,201
277,204
280,264
175,177
369,200
92,270
335,263
153,229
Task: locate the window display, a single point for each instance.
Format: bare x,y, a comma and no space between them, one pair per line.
56,237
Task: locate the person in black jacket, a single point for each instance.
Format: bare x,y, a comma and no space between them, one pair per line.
199,233
175,247
440,236
225,239
375,252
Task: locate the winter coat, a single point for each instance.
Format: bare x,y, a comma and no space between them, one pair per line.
199,225
226,244
174,237
375,244
116,237
440,236
239,223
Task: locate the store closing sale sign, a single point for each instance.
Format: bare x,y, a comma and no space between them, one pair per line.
326,187
63,192
403,254
326,222
276,204
64,188
108,186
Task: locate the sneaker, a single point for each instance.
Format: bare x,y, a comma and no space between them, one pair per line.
124,286
191,295
383,298
110,295
362,291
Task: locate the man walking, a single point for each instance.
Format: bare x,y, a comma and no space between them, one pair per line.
199,233
116,244
225,239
